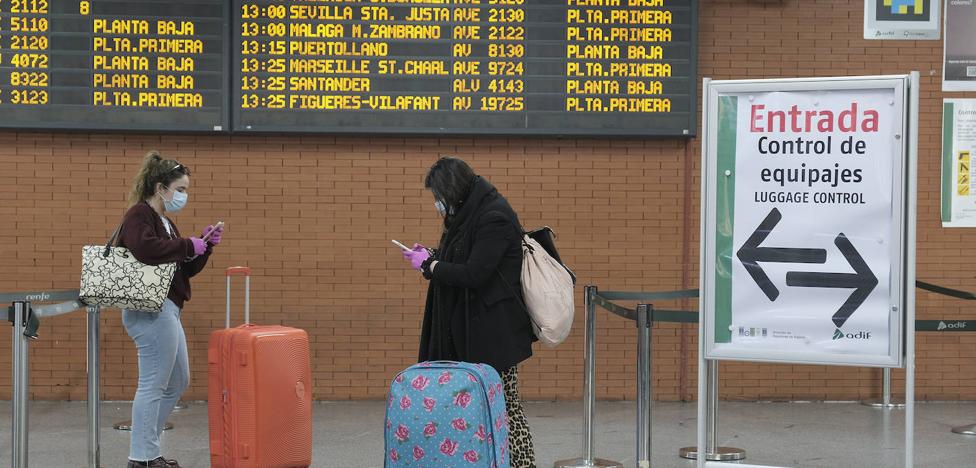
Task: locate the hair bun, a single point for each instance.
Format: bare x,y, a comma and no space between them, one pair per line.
151,159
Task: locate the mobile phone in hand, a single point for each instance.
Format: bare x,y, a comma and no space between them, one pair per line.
398,244
219,225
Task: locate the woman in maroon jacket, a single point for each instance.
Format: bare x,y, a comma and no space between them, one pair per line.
159,188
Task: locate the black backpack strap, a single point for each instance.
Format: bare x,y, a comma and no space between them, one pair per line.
521,232
517,296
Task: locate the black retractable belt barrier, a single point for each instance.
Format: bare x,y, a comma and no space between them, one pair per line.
645,314
886,401
25,314
603,299
955,325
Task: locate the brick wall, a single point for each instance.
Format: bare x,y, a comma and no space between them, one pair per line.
313,215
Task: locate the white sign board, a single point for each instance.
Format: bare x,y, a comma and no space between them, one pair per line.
804,220
958,148
959,59
901,19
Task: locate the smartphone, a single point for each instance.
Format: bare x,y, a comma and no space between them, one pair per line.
217,226
398,244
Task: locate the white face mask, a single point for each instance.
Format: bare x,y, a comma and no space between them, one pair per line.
440,207
176,203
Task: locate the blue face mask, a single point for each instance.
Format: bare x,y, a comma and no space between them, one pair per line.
177,203
440,207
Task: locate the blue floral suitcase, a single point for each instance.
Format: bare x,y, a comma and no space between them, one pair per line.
447,414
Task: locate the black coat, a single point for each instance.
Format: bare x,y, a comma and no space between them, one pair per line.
471,314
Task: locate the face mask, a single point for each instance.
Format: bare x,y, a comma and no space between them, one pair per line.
177,203
443,211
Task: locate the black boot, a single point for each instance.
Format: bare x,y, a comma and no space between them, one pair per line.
157,463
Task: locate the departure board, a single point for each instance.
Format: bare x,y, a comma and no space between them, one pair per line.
126,64
505,67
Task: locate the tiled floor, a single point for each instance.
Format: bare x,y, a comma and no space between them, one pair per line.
349,434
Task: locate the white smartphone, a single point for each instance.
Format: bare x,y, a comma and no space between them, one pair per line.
217,226
398,244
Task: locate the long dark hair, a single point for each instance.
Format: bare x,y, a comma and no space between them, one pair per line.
450,180
154,169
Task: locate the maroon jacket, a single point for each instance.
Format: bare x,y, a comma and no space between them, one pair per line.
145,236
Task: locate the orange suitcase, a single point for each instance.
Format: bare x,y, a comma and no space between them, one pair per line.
260,394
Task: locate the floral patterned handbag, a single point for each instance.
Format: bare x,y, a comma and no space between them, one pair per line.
112,277
447,414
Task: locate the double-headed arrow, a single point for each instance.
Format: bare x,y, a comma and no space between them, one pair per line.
862,280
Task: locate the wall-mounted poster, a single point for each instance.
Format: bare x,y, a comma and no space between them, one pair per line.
959,64
958,147
901,19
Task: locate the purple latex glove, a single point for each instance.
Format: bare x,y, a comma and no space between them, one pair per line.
199,245
416,256
215,237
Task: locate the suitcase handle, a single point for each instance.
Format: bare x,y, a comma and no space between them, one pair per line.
239,271
246,273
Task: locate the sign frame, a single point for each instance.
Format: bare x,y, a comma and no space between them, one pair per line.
902,221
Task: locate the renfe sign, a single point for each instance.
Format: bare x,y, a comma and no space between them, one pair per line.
804,235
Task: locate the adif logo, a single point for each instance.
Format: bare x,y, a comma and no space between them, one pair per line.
861,335
953,326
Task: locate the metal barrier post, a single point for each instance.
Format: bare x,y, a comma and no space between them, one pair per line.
643,386
886,401
94,393
712,414
20,376
25,318
714,452
589,390
886,386
589,374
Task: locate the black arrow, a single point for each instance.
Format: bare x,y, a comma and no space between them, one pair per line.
751,253
862,280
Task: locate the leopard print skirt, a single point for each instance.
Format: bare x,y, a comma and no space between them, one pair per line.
519,437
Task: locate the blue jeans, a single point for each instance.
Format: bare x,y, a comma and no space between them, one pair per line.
164,373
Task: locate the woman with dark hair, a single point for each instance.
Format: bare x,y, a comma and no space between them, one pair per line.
474,310
160,187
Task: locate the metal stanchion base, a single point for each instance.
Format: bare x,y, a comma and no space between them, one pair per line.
127,426
721,454
894,403
965,430
583,463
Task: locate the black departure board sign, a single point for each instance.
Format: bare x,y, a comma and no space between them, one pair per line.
505,67
126,64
